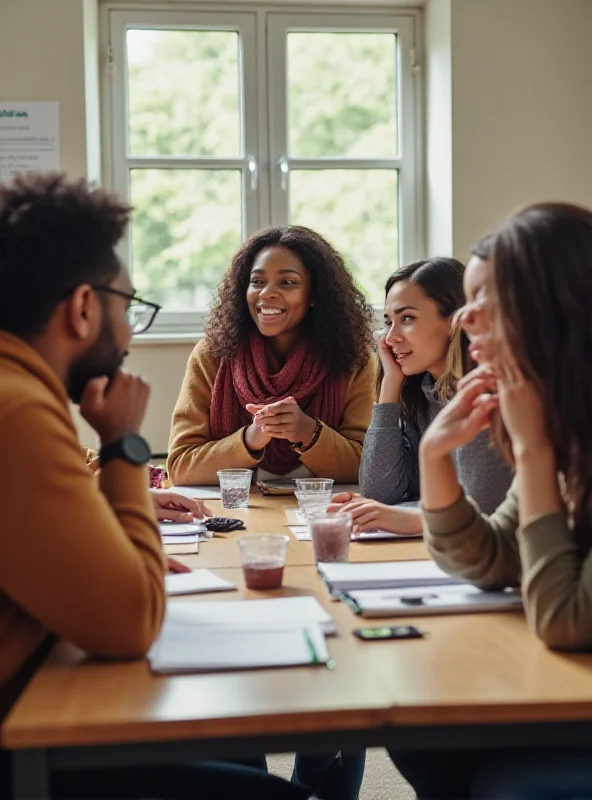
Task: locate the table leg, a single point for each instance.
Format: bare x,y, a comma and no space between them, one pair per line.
30,775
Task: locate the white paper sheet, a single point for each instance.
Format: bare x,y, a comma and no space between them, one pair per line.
178,529
293,517
29,137
193,539
198,492
373,536
301,532
197,581
280,611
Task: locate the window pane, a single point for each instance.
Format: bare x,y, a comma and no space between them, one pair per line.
183,91
186,228
342,94
357,210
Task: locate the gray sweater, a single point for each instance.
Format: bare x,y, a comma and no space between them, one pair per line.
389,471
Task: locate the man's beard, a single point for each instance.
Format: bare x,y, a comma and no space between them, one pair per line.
102,358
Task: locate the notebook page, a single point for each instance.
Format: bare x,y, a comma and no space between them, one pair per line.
198,492
230,647
195,582
280,611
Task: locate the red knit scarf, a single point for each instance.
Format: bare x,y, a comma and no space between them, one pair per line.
255,375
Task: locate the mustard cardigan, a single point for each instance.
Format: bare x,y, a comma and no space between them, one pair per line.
195,457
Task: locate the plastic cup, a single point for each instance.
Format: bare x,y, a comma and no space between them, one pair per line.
314,484
235,485
263,558
313,495
331,535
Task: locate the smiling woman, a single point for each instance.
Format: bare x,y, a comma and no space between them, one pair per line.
283,380
423,355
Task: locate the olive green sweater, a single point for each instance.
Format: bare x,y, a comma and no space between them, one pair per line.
494,552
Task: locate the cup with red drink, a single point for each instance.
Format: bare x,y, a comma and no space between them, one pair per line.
263,558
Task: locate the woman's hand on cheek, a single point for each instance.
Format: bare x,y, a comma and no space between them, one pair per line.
465,416
522,411
393,379
286,420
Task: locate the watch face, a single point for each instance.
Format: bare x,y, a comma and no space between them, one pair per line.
136,449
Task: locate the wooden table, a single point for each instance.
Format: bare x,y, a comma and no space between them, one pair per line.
480,680
266,515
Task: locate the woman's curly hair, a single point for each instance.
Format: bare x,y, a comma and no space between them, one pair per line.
339,324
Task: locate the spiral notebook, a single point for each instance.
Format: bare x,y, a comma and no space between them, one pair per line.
384,575
428,600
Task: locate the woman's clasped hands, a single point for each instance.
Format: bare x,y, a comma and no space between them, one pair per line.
281,420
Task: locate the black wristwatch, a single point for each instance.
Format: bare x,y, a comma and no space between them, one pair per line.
131,448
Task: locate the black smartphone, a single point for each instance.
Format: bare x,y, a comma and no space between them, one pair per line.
383,632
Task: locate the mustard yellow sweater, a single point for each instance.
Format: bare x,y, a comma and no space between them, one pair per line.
195,458
79,556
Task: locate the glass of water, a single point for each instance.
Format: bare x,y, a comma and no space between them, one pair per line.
313,495
235,485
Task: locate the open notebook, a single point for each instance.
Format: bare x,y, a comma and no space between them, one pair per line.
341,577
204,637
442,599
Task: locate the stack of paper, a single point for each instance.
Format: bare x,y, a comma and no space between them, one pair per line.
179,539
443,599
203,637
384,575
198,581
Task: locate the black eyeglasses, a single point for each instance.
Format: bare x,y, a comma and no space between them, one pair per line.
141,313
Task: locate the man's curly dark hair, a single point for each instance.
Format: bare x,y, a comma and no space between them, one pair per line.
339,324
55,234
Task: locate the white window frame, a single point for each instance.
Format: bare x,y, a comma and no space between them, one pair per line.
264,136
404,161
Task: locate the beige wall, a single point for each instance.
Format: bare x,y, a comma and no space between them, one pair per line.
164,365
42,58
518,115
508,120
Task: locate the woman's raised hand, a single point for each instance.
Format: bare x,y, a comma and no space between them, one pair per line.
465,416
392,381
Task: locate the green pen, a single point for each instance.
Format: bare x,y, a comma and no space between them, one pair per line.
314,656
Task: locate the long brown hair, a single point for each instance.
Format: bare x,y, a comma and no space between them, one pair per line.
442,281
541,300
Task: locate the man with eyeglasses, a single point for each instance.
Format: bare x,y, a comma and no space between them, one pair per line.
80,558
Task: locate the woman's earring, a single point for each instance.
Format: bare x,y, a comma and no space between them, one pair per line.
312,305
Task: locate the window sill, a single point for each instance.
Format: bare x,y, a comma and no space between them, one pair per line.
166,338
